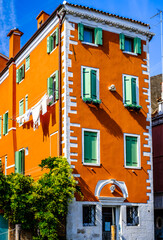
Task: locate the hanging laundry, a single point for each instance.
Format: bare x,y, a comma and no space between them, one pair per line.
44,104
36,115
27,115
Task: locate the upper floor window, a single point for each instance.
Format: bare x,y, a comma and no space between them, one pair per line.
5,123
27,62
129,44
52,41
91,147
89,215
53,88
90,84
131,92
20,74
132,216
90,35
19,161
132,150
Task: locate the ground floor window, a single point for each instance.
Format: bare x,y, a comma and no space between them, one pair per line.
132,216
89,215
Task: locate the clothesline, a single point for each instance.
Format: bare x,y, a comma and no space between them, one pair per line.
35,112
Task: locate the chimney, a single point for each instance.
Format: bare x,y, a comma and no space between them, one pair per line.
41,18
14,43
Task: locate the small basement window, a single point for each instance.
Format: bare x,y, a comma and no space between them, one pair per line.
132,216
89,215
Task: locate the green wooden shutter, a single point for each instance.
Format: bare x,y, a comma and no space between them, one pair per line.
57,85
86,83
17,170
51,88
98,36
93,146
80,31
57,36
48,45
17,76
131,151
0,126
137,45
134,151
93,84
22,71
21,107
22,156
26,102
4,124
6,121
27,62
87,150
133,86
127,90
128,151
122,41
90,147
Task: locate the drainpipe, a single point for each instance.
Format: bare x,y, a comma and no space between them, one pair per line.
60,83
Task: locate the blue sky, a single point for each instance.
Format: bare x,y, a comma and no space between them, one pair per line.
22,14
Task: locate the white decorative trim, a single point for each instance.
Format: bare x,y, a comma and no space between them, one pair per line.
13,128
74,125
5,165
103,183
11,166
98,146
37,40
138,150
4,76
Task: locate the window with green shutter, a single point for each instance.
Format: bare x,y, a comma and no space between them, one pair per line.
129,44
20,73
5,123
90,35
52,41
130,90
90,147
89,84
131,151
26,102
53,87
19,161
21,107
28,62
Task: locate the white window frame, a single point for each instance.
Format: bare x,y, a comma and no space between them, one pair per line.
130,36
53,34
137,87
138,150
5,165
97,81
128,225
89,26
98,146
26,97
94,206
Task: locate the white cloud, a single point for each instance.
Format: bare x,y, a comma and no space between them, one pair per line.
7,22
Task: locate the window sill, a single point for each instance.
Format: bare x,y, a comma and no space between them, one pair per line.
93,101
21,81
27,69
133,107
91,44
92,164
131,53
53,50
137,168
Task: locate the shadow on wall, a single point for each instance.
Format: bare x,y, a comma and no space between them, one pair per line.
103,117
85,190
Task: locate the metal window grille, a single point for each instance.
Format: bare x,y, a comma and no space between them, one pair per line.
132,216
89,215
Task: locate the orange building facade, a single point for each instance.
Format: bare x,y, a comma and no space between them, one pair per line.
80,88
